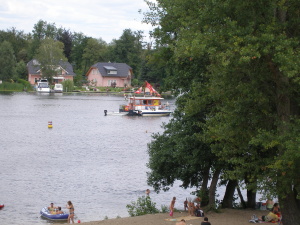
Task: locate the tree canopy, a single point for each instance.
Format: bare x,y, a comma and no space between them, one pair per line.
248,87
50,53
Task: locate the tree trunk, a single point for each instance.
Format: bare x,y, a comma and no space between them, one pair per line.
229,193
287,199
251,195
212,189
289,209
241,197
204,190
251,199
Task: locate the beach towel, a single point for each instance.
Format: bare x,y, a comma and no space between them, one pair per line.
183,217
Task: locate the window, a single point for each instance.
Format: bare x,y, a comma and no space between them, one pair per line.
94,71
112,83
112,72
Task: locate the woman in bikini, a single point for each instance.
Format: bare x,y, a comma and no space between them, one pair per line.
71,215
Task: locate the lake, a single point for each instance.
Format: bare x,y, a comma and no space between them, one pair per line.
98,162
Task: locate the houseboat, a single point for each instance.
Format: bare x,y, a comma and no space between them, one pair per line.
43,86
145,106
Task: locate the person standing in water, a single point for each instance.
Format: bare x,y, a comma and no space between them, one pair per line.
71,215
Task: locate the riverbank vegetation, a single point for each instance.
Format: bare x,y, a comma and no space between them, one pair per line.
19,85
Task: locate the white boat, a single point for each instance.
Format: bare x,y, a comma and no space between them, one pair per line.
58,88
146,106
43,86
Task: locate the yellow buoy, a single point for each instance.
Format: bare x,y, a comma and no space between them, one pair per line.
50,124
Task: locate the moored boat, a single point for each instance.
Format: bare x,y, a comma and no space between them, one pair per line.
58,88
48,215
146,106
43,86
1,206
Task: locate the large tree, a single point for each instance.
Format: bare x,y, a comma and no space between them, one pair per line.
7,62
252,80
95,51
128,49
49,55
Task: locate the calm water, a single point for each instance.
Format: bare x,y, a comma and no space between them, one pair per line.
98,162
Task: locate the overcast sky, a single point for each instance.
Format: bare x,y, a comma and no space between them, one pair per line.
104,19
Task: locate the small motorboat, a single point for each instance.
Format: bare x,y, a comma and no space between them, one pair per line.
1,206
48,215
58,88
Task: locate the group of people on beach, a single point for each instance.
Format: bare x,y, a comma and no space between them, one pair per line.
57,210
193,207
273,216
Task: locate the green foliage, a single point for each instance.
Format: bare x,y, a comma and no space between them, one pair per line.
241,59
26,85
128,49
142,206
164,208
21,70
134,82
49,55
68,85
7,86
7,61
95,51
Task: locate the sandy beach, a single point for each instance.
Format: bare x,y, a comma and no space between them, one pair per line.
225,217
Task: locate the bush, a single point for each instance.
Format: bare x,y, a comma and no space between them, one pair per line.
6,86
26,84
142,206
68,85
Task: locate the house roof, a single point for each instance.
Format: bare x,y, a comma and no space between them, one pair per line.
121,68
33,67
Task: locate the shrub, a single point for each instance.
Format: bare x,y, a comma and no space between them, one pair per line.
6,86
68,85
142,206
26,84
164,208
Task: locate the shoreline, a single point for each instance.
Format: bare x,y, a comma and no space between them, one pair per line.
224,217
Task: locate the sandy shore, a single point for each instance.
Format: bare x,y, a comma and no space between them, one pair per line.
225,217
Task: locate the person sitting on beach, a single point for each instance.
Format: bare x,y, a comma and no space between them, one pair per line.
205,222
276,208
182,222
271,217
59,211
269,204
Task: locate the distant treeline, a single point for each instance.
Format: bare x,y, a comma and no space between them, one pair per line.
18,48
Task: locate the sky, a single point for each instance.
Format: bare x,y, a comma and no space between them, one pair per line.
104,19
